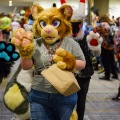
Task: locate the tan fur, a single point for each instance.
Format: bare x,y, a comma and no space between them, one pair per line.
44,27
64,59
74,116
48,16
9,97
69,59
27,50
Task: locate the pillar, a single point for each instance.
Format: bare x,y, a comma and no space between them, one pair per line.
90,4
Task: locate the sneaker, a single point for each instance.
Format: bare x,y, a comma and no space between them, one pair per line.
104,78
101,70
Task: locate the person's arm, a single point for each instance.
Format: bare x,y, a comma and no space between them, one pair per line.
80,64
80,58
26,64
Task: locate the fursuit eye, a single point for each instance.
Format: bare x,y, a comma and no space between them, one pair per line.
42,24
56,23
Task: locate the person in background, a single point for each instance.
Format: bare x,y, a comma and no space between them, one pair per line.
30,19
14,26
118,22
107,53
96,22
28,26
95,16
22,18
83,77
5,26
113,19
117,54
117,97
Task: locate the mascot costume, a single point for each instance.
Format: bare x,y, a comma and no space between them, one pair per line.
16,93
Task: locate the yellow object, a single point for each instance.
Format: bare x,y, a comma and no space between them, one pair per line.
61,52
64,60
74,115
24,42
51,33
13,98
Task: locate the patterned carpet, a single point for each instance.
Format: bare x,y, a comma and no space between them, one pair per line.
99,105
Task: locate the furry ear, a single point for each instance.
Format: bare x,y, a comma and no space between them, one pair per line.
35,10
66,11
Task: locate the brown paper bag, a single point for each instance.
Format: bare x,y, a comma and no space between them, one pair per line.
63,81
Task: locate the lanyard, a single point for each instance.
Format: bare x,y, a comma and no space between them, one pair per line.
48,50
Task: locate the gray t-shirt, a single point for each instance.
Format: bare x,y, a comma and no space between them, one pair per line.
42,59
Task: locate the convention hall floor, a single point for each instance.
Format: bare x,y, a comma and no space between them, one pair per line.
99,105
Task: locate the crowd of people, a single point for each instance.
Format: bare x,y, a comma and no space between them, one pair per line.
107,62
11,22
109,59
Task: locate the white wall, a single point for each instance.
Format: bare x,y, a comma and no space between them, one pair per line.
48,3
44,3
114,8
73,3
7,9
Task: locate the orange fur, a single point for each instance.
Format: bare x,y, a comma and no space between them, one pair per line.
74,115
69,59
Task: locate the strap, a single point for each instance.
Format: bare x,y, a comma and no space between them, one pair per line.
16,73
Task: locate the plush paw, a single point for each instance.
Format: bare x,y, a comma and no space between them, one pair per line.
94,40
7,52
64,60
24,42
7,57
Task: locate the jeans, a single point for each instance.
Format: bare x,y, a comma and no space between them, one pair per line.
48,106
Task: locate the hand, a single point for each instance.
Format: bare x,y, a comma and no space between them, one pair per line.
24,42
64,60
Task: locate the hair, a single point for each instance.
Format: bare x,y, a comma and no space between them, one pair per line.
105,18
113,16
95,10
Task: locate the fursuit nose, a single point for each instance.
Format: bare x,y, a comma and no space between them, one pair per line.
48,31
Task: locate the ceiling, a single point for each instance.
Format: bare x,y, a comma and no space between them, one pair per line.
16,2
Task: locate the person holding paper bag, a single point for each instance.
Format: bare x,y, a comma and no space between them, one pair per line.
52,28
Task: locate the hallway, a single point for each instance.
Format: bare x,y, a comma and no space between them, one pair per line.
99,105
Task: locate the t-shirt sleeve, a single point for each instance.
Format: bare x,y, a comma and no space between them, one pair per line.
69,44
77,51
